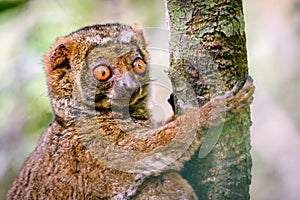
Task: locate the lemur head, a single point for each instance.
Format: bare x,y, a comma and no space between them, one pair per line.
98,67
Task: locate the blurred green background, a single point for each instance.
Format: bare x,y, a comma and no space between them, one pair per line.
28,28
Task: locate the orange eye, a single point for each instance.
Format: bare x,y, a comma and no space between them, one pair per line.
102,73
139,66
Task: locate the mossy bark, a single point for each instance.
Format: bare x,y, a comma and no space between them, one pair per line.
208,56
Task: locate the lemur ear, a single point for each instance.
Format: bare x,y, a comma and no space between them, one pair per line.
137,28
59,55
139,31
57,62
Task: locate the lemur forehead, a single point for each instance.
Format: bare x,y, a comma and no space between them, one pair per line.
122,37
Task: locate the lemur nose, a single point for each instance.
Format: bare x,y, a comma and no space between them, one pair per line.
128,82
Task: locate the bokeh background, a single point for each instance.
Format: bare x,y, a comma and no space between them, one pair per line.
28,28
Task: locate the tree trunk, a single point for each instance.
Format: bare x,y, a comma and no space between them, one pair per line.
208,56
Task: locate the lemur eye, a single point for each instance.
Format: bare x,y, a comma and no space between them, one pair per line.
139,66
102,73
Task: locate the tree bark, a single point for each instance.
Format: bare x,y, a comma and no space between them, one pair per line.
208,56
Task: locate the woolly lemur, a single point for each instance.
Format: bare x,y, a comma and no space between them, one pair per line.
100,143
